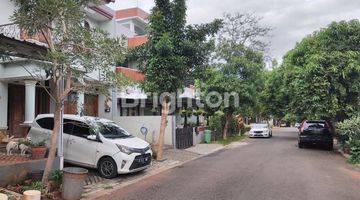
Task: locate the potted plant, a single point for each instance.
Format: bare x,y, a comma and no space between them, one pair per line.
38,150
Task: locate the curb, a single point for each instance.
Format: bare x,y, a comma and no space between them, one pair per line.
106,194
345,155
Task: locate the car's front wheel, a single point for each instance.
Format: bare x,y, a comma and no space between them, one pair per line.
107,168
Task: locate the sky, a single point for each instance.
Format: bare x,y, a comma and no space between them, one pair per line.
291,20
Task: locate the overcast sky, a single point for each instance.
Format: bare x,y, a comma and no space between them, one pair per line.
291,19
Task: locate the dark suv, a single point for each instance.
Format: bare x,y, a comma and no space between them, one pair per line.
316,132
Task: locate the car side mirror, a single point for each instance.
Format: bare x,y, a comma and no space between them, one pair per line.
92,137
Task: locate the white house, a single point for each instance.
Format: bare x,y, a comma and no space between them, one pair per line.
21,96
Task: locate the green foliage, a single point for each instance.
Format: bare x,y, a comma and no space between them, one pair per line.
246,128
240,73
348,133
36,185
232,138
217,122
56,177
320,77
354,151
28,143
175,52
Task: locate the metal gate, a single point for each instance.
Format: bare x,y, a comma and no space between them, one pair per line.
184,137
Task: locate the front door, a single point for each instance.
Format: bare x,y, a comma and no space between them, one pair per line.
16,110
91,105
81,150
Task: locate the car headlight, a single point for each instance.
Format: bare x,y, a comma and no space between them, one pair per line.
124,149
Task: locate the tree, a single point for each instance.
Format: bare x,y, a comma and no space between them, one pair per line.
245,29
235,79
172,53
321,75
73,52
238,64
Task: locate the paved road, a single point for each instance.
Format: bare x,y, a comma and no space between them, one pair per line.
264,169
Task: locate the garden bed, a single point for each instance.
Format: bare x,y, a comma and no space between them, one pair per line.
15,170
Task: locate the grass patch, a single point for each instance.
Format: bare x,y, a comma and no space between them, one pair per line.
108,187
230,139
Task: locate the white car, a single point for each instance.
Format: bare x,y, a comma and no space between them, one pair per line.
96,143
260,130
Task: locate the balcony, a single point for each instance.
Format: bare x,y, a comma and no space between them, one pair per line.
131,12
137,41
133,74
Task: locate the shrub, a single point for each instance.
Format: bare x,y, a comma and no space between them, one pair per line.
349,136
33,186
217,123
246,129
56,177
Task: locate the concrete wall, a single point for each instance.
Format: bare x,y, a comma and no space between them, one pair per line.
152,123
3,105
3,102
21,68
16,173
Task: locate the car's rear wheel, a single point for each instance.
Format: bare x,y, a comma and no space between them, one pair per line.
330,147
107,168
301,145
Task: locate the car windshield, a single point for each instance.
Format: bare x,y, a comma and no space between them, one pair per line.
110,130
259,125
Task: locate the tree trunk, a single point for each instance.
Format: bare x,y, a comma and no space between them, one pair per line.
53,147
164,114
227,125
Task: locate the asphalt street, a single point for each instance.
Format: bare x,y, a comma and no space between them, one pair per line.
265,169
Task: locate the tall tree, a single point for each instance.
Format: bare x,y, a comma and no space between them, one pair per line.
174,51
73,52
239,59
238,73
321,75
245,29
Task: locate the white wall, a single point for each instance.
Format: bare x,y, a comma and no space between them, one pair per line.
152,123
21,69
7,9
3,105
3,101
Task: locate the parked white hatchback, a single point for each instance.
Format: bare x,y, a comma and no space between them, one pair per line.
260,130
96,143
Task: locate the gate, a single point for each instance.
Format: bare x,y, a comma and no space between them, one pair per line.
184,137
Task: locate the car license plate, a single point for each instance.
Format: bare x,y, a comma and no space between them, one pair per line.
143,160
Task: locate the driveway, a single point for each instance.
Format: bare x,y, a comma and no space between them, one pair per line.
264,169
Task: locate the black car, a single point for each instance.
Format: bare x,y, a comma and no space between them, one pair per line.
316,132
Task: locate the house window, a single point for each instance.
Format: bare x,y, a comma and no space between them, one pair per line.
126,110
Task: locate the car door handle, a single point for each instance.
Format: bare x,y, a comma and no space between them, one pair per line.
71,141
